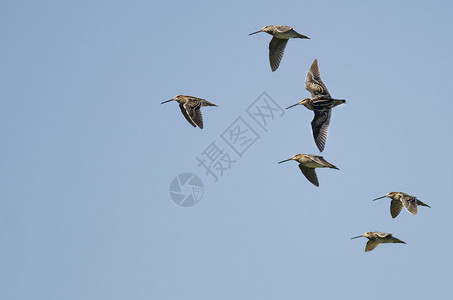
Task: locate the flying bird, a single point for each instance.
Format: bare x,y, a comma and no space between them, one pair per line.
399,200
281,34
376,238
320,102
308,163
190,108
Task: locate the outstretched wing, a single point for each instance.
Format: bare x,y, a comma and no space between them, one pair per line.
313,82
310,174
320,126
370,245
276,50
410,203
395,208
184,112
193,111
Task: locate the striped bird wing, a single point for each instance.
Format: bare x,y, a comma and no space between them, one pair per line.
410,203
310,174
313,82
395,208
282,28
193,111
370,245
320,126
322,102
184,112
276,50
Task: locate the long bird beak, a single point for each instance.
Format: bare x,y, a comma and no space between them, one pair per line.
356,237
255,32
285,160
167,101
379,198
292,105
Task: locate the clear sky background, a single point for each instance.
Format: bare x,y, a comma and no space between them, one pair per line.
88,152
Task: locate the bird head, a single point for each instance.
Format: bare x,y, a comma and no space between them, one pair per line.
393,195
175,98
366,234
390,195
178,98
267,28
303,102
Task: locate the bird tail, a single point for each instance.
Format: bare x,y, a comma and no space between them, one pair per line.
333,167
396,240
422,204
337,102
301,36
207,103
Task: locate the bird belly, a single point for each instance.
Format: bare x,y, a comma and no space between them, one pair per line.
284,35
312,164
387,241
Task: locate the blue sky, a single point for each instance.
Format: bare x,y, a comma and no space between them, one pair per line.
88,153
